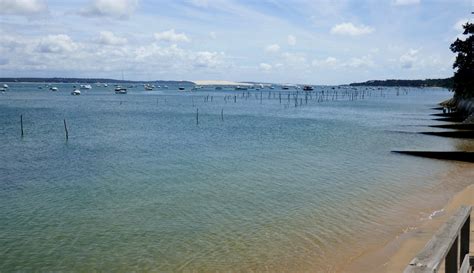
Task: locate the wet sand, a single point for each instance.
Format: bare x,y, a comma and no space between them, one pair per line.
395,255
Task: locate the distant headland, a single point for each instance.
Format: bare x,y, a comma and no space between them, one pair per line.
86,80
446,83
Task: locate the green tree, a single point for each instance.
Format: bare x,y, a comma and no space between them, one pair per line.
463,86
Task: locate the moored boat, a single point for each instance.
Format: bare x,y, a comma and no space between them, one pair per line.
120,90
308,88
148,87
76,92
238,87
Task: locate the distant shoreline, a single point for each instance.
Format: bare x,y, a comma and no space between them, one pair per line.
84,80
444,83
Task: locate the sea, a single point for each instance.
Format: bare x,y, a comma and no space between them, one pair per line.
210,180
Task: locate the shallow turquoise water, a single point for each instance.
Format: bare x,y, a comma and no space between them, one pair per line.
140,187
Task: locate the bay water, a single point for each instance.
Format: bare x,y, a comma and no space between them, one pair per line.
211,180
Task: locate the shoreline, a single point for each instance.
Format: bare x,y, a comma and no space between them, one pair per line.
394,255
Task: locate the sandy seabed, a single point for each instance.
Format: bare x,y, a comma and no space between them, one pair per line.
396,254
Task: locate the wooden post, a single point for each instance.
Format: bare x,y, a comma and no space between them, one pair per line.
65,130
222,114
444,246
197,116
21,124
464,244
451,263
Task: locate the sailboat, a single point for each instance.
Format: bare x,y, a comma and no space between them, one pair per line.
148,87
120,89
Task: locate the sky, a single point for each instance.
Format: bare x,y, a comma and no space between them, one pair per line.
319,42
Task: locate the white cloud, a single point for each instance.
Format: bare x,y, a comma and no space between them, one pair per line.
171,36
208,59
212,35
365,61
459,24
265,67
60,55
334,63
351,29
23,7
328,62
174,56
408,59
56,44
109,38
110,8
294,59
11,43
291,40
274,48
406,2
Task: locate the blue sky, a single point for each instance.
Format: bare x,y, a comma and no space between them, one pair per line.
301,41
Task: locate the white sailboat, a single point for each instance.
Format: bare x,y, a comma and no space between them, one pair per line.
120,89
148,87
